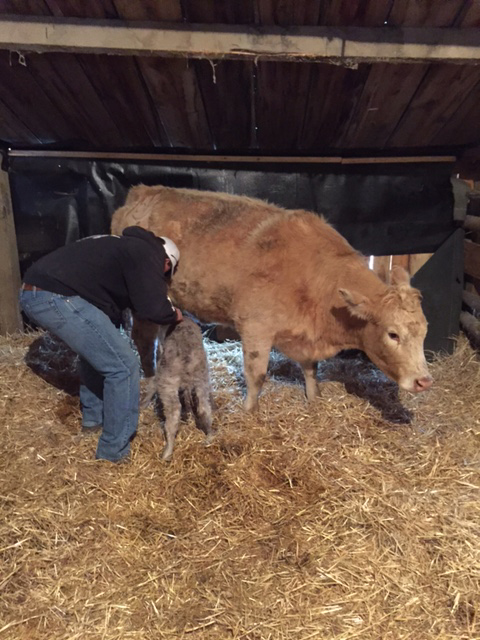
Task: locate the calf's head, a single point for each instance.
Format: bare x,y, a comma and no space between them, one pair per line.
393,331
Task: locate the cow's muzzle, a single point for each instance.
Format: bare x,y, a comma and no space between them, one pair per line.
422,384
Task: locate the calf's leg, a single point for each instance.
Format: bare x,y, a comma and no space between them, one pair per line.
172,408
202,410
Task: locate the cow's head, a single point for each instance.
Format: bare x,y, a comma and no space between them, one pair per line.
393,331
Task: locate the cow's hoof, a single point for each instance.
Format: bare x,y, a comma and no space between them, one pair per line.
250,405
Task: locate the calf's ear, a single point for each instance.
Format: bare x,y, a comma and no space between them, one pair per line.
399,276
358,305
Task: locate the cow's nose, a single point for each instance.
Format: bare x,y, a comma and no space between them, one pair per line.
422,384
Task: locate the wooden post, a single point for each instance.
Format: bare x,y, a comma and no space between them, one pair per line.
10,318
472,223
401,261
381,266
471,326
472,302
472,259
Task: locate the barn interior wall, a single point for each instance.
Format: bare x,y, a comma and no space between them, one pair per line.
380,209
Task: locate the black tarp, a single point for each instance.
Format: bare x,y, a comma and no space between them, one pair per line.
381,209
441,282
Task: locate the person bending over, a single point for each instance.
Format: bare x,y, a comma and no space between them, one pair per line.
78,293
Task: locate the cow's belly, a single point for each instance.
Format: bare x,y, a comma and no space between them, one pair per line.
209,304
299,347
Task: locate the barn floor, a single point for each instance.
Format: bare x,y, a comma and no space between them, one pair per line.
356,517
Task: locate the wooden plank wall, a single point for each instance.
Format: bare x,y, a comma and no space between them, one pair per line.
470,317
10,319
383,265
129,103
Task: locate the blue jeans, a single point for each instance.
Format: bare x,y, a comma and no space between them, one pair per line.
109,368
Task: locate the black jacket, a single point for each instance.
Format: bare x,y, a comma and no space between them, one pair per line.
112,272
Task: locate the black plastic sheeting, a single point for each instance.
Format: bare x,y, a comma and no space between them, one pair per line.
381,209
441,282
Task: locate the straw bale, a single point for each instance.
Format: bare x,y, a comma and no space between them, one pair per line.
354,517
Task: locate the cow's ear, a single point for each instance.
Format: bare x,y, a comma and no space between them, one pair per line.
399,276
357,304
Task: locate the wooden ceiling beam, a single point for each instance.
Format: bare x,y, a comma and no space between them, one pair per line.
224,158
338,45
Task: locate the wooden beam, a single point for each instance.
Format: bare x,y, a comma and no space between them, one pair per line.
417,260
472,223
224,159
473,205
471,327
472,259
460,198
472,302
10,319
468,164
345,45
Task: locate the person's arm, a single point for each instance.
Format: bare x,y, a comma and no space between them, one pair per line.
148,290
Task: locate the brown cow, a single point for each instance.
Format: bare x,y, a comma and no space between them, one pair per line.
283,279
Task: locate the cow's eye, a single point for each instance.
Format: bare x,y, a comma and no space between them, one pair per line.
394,336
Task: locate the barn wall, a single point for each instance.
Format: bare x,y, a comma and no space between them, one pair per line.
380,209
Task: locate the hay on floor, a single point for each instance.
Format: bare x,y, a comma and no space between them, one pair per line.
355,517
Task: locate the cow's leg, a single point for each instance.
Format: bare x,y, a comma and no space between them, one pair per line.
144,335
310,373
255,362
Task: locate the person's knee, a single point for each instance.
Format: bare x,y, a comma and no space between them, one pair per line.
133,366
128,367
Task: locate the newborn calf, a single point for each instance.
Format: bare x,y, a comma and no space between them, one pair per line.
181,373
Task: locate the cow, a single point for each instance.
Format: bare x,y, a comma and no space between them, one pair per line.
285,279
178,375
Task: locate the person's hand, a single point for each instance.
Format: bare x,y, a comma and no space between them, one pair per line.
179,314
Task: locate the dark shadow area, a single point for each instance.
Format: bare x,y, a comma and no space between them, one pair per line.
352,368
50,359
360,377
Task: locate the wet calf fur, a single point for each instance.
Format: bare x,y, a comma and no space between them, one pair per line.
181,373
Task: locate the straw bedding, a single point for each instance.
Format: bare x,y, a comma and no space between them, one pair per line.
355,517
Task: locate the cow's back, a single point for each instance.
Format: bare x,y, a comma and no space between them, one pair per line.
182,214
